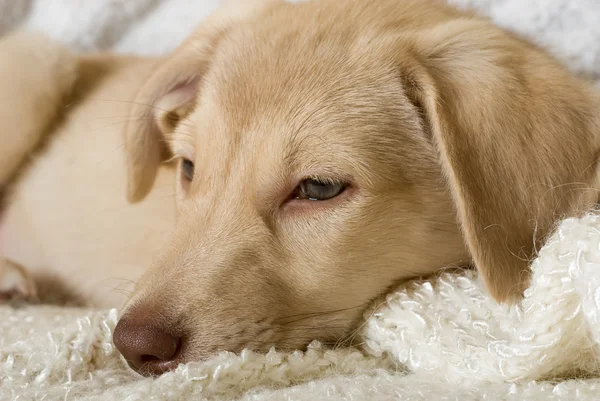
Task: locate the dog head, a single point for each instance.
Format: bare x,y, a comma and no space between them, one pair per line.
328,151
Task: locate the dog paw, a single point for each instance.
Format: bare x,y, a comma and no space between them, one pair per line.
16,284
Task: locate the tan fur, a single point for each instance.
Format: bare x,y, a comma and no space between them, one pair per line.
462,144
67,218
26,113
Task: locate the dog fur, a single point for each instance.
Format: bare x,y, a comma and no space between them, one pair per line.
459,143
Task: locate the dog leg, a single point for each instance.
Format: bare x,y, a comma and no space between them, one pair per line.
36,76
16,284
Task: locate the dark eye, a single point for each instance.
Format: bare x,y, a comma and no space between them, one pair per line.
187,169
319,190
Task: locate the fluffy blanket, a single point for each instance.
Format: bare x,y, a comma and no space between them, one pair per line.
443,338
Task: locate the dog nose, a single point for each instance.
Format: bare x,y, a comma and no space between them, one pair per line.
148,349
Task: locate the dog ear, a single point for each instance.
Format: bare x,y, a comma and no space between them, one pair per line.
166,98
170,93
514,133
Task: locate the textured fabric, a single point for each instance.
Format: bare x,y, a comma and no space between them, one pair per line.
457,332
438,339
442,337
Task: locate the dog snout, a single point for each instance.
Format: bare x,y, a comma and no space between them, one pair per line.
149,349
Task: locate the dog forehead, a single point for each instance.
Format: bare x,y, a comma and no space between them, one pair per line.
272,94
291,82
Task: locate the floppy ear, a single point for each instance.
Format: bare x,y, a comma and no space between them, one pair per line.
166,98
170,94
516,137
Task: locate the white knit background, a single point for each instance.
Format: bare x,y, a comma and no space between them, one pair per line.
439,339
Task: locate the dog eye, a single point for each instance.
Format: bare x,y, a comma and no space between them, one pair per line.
187,169
318,190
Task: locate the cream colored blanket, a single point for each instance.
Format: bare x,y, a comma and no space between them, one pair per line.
438,339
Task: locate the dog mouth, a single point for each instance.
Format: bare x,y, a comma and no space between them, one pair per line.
163,361
152,348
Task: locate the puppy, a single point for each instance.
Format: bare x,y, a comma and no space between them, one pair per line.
324,151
